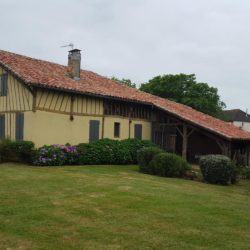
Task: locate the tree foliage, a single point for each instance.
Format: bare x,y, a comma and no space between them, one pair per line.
124,81
185,89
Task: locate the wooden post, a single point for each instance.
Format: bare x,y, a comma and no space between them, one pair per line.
72,99
103,120
247,155
34,101
226,148
129,128
184,142
230,150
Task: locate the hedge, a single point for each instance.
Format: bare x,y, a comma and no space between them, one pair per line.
134,145
155,161
169,165
17,151
104,151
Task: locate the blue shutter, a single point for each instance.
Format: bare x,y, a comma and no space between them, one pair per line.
4,85
138,131
94,130
19,126
2,126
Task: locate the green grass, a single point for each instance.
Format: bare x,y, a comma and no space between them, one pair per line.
115,207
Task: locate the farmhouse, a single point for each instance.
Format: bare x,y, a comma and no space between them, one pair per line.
49,103
238,118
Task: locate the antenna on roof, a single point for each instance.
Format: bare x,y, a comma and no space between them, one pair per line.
68,45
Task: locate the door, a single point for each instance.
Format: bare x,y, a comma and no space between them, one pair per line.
138,131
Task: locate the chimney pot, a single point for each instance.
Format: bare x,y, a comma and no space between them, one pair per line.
74,63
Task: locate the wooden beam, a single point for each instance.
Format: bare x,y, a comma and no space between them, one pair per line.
34,100
179,131
72,99
225,147
247,155
220,145
191,132
129,128
184,142
103,120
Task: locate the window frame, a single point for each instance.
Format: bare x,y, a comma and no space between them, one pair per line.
117,129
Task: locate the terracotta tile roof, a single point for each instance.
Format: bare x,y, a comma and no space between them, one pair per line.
50,75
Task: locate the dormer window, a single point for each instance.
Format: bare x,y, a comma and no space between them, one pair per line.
3,84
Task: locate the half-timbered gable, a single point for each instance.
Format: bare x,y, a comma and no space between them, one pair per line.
15,98
66,103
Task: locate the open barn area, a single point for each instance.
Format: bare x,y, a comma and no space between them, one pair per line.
116,207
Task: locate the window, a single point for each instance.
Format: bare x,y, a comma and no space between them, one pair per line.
138,131
117,129
3,85
2,126
94,130
19,126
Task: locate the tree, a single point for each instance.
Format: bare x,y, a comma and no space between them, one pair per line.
186,90
123,81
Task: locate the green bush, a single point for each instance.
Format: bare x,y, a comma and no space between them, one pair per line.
245,172
145,156
235,174
169,165
104,151
134,145
19,151
216,169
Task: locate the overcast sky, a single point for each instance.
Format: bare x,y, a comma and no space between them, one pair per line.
139,39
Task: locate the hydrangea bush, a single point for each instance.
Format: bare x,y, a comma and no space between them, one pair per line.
49,156
70,153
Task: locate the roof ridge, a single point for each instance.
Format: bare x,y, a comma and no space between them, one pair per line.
32,58
226,110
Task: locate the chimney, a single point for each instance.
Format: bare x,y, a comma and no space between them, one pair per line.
74,64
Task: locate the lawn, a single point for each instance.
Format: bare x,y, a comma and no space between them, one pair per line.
115,207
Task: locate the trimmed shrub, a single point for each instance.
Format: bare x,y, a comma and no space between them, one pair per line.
169,165
18,151
235,174
216,169
134,145
49,156
145,156
104,151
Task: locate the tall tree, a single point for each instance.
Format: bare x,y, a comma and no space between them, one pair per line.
186,90
124,81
